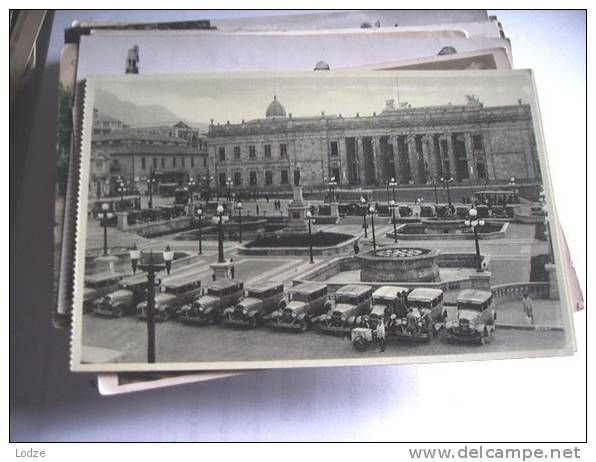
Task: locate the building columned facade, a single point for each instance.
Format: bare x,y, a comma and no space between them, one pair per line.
470,143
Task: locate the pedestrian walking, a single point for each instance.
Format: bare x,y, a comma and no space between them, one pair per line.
232,268
356,248
257,207
528,307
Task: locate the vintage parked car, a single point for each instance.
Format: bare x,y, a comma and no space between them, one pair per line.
208,307
124,299
351,302
425,317
97,285
306,302
427,211
256,307
176,291
388,300
476,317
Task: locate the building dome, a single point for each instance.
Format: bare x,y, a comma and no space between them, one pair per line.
275,109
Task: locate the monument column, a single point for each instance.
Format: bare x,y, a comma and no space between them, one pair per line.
413,158
470,156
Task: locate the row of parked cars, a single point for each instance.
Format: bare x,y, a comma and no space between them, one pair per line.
355,309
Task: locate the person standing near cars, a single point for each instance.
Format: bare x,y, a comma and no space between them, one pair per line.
528,307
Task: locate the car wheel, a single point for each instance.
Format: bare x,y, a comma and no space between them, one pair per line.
304,325
119,311
360,343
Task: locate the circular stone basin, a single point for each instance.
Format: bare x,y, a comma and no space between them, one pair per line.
398,263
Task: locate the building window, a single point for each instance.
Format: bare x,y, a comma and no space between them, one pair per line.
267,151
268,177
283,150
284,177
183,159
237,178
253,178
252,152
173,162
236,152
163,162
143,163
204,162
155,162
192,162
222,154
222,179
334,149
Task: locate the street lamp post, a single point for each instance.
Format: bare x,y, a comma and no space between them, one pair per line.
105,210
309,217
331,183
229,184
393,184
220,219
151,183
191,188
473,222
199,214
446,182
511,184
434,182
365,226
393,205
151,263
121,189
239,207
372,212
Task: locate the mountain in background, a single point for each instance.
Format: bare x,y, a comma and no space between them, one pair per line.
137,114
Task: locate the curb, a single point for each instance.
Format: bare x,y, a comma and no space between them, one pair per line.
529,327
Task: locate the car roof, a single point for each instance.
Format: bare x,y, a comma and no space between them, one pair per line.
307,287
178,280
263,286
135,279
103,276
424,293
353,289
388,291
224,283
474,295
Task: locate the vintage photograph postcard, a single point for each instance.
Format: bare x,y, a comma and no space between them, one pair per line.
315,219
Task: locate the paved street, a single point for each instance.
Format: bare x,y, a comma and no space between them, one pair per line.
178,342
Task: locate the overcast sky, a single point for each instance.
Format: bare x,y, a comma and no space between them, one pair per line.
235,97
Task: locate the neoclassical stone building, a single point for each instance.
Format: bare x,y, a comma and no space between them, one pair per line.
471,143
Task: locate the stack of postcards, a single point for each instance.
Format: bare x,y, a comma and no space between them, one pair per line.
330,189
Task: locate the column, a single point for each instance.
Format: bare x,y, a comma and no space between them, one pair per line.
470,156
428,156
413,158
376,151
360,160
395,144
488,155
451,156
343,161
